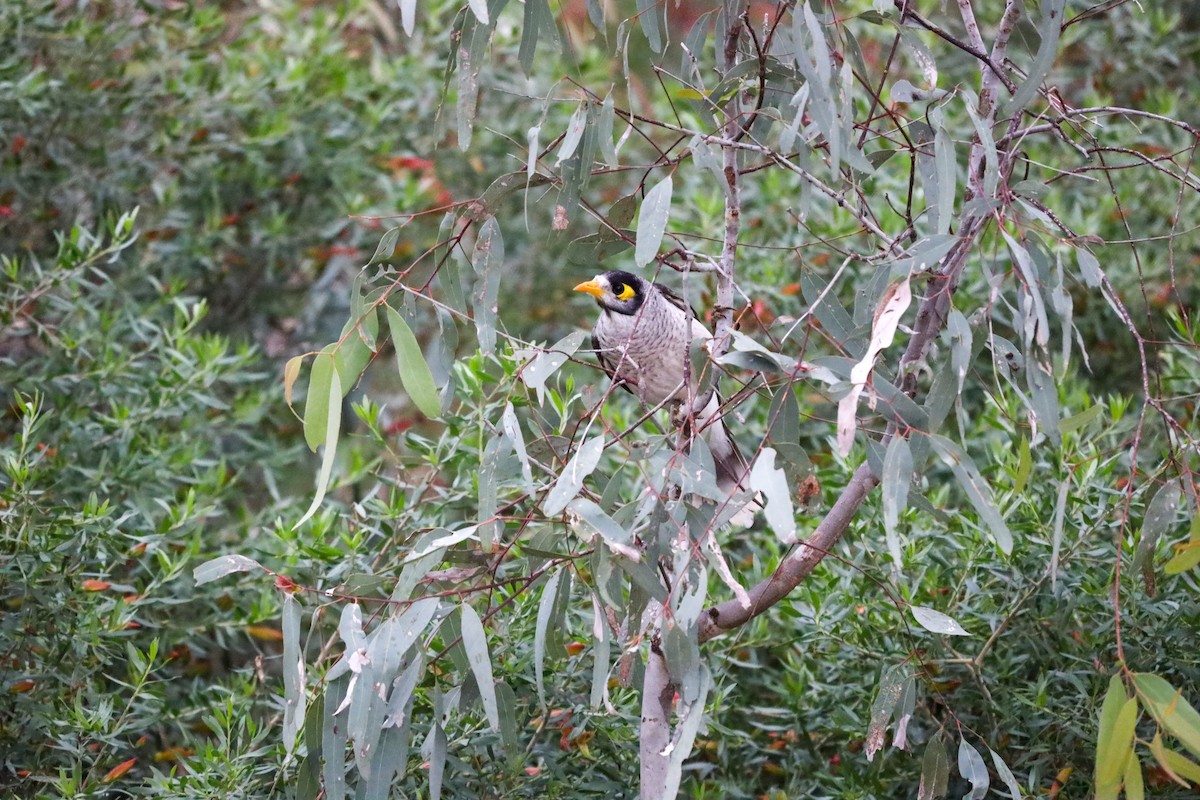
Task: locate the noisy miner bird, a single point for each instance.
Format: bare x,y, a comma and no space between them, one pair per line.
642,339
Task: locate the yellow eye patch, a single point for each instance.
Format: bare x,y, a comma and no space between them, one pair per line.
623,291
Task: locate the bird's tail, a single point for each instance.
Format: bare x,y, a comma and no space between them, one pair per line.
732,469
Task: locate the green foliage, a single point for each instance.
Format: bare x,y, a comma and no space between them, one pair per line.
1014,547
245,137
113,481
498,544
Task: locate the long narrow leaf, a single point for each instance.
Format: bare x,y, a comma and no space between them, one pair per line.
571,480
976,488
319,402
652,222
896,478
293,673
545,614
475,645
972,768
221,566
414,370
333,429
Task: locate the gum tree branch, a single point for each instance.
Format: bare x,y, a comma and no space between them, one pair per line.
1097,110
723,312
658,686
799,564
989,61
658,692
988,91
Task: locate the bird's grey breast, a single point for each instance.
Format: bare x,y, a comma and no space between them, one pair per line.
648,349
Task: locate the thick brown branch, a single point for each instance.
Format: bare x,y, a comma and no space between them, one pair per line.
796,566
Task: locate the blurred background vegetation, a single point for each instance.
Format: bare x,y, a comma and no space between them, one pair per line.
186,193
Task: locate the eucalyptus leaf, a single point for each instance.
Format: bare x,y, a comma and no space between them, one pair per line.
972,768
570,481
937,622
221,566
488,262
547,362
976,488
896,478
474,642
414,370
652,221
1160,514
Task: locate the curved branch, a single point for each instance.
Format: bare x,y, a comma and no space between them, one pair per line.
796,566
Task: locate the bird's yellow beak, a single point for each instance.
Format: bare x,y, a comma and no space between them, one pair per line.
591,287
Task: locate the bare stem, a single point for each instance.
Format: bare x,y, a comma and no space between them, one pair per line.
657,693
732,130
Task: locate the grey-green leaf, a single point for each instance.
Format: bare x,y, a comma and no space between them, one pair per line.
937,622
976,489
652,222
1050,29
435,749
488,262
896,478
972,768
891,682
547,362
570,481
1006,775
935,770
512,429
1161,512
386,246
221,566
597,522
765,477
475,645
650,15
293,673
544,618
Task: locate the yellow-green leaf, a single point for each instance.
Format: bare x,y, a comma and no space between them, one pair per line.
1173,713
1024,466
357,345
1082,418
1135,789
1113,752
1186,556
1180,769
317,403
291,371
414,371
1114,699
333,428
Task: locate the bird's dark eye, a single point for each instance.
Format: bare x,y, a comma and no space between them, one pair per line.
623,291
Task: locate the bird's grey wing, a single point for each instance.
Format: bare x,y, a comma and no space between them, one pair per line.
675,300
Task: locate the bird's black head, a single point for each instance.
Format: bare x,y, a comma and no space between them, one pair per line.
622,292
